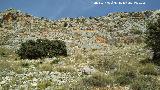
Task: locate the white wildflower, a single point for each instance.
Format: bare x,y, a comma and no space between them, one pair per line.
34,84
2,82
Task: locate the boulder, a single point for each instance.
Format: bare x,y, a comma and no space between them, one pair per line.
87,70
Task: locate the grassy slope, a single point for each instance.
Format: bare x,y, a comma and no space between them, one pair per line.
113,67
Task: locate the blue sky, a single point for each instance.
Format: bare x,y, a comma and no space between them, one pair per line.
56,9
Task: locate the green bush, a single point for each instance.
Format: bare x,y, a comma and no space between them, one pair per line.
149,69
125,78
25,64
42,85
104,64
136,31
98,79
42,48
65,24
145,83
0,24
1,21
5,52
152,40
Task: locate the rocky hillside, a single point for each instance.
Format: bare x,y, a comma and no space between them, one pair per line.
105,53
81,34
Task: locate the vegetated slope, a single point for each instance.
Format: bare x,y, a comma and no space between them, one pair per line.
80,34
105,53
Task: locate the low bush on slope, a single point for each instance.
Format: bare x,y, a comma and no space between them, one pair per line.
42,48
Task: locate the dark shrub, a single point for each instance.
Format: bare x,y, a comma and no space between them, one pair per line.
136,31
65,24
0,24
125,78
30,50
25,64
5,52
58,47
153,39
42,48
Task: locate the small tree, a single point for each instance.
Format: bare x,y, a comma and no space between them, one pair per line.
42,48
153,39
0,24
65,24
